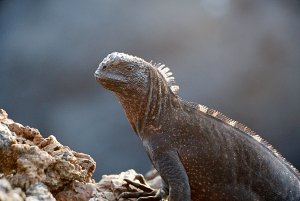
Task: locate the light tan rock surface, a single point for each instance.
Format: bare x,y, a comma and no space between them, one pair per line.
35,168
7,193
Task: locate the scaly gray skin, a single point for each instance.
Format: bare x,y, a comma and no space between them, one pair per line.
199,153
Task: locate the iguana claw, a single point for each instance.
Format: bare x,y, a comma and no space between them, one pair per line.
148,193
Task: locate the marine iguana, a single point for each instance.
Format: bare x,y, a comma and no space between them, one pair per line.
200,153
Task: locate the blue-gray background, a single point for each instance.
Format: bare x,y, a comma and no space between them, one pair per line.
241,57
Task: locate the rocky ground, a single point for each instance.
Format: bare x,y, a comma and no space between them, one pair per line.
36,168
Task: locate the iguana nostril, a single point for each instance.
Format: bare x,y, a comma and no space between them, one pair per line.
104,67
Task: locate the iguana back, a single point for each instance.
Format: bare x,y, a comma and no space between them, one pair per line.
225,163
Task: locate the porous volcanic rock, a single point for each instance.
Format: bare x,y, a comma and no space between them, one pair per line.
35,168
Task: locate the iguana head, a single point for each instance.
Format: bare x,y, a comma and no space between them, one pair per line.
126,74
123,74
139,85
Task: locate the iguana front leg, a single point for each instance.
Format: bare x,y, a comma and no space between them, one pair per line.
174,175
175,179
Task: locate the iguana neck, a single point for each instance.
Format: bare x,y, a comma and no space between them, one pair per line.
146,113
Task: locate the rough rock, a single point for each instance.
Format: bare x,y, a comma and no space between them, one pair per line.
36,168
109,188
38,192
26,154
7,193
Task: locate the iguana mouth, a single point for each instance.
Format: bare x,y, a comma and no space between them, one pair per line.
105,77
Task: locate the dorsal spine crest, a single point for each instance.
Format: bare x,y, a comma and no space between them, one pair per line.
218,115
167,74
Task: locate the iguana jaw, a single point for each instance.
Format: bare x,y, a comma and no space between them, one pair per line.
108,79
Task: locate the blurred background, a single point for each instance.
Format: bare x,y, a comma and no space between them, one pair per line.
241,57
